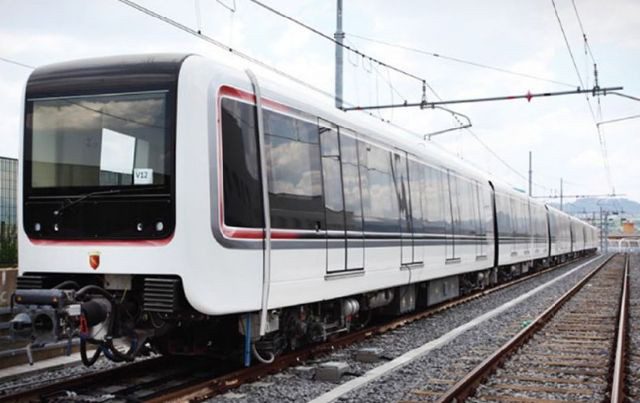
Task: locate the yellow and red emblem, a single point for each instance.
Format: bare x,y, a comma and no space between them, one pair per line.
94,260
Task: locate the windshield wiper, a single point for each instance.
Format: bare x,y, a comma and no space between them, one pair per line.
68,203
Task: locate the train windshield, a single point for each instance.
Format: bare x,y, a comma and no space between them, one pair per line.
98,142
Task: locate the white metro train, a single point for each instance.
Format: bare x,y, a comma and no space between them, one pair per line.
189,206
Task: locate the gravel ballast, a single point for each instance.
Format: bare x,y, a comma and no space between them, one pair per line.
460,355
633,353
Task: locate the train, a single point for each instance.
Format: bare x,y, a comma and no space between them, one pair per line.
177,204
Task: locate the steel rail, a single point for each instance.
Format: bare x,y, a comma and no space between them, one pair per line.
37,393
617,387
466,387
209,388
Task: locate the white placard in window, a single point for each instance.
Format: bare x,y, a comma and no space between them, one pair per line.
117,152
143,176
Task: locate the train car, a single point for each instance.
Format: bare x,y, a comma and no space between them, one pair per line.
560,234
185,205
522,228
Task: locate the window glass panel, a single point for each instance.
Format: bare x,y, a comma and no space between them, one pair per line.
448,200
242,191
381,210
435,199
455,203
351,182
466,204
293,166
503,208
402,192
100,140
417,183
333,197
363,155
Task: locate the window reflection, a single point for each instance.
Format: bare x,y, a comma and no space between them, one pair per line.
293,167
98,140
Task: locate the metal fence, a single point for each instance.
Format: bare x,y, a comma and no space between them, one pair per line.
8,203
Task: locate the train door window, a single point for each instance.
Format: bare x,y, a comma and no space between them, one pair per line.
479,220
434,201
351,183
457,202
365,191
352,200
401,185
381,212
293,169
451,207
241,178
466,205
515,225
416,187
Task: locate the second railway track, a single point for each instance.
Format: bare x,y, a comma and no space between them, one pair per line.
567,354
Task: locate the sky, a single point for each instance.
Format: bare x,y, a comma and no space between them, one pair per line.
522,37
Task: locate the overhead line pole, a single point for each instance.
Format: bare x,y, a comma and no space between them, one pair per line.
530,175
339,38
528,96
561,196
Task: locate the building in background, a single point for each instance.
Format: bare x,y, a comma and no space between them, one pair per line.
8,213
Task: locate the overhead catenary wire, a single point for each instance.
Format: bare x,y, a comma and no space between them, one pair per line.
461,61
584,35
329,38
601,139
26,66
566,41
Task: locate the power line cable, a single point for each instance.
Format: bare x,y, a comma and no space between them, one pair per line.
584,36
26,66
222,46
462,61
603,144
566,41
329,38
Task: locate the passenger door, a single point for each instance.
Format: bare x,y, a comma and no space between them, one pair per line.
333,197
343,198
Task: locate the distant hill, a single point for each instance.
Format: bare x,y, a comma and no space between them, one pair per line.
592,204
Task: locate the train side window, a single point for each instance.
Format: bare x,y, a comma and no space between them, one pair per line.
456,201
467,205
479,209
434,201
241,179
381,212
447,202
400,181
351,183
365,190
503,208
293,167
416,178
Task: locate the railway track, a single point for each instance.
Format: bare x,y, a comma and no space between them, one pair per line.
574,351
633,351
171,378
